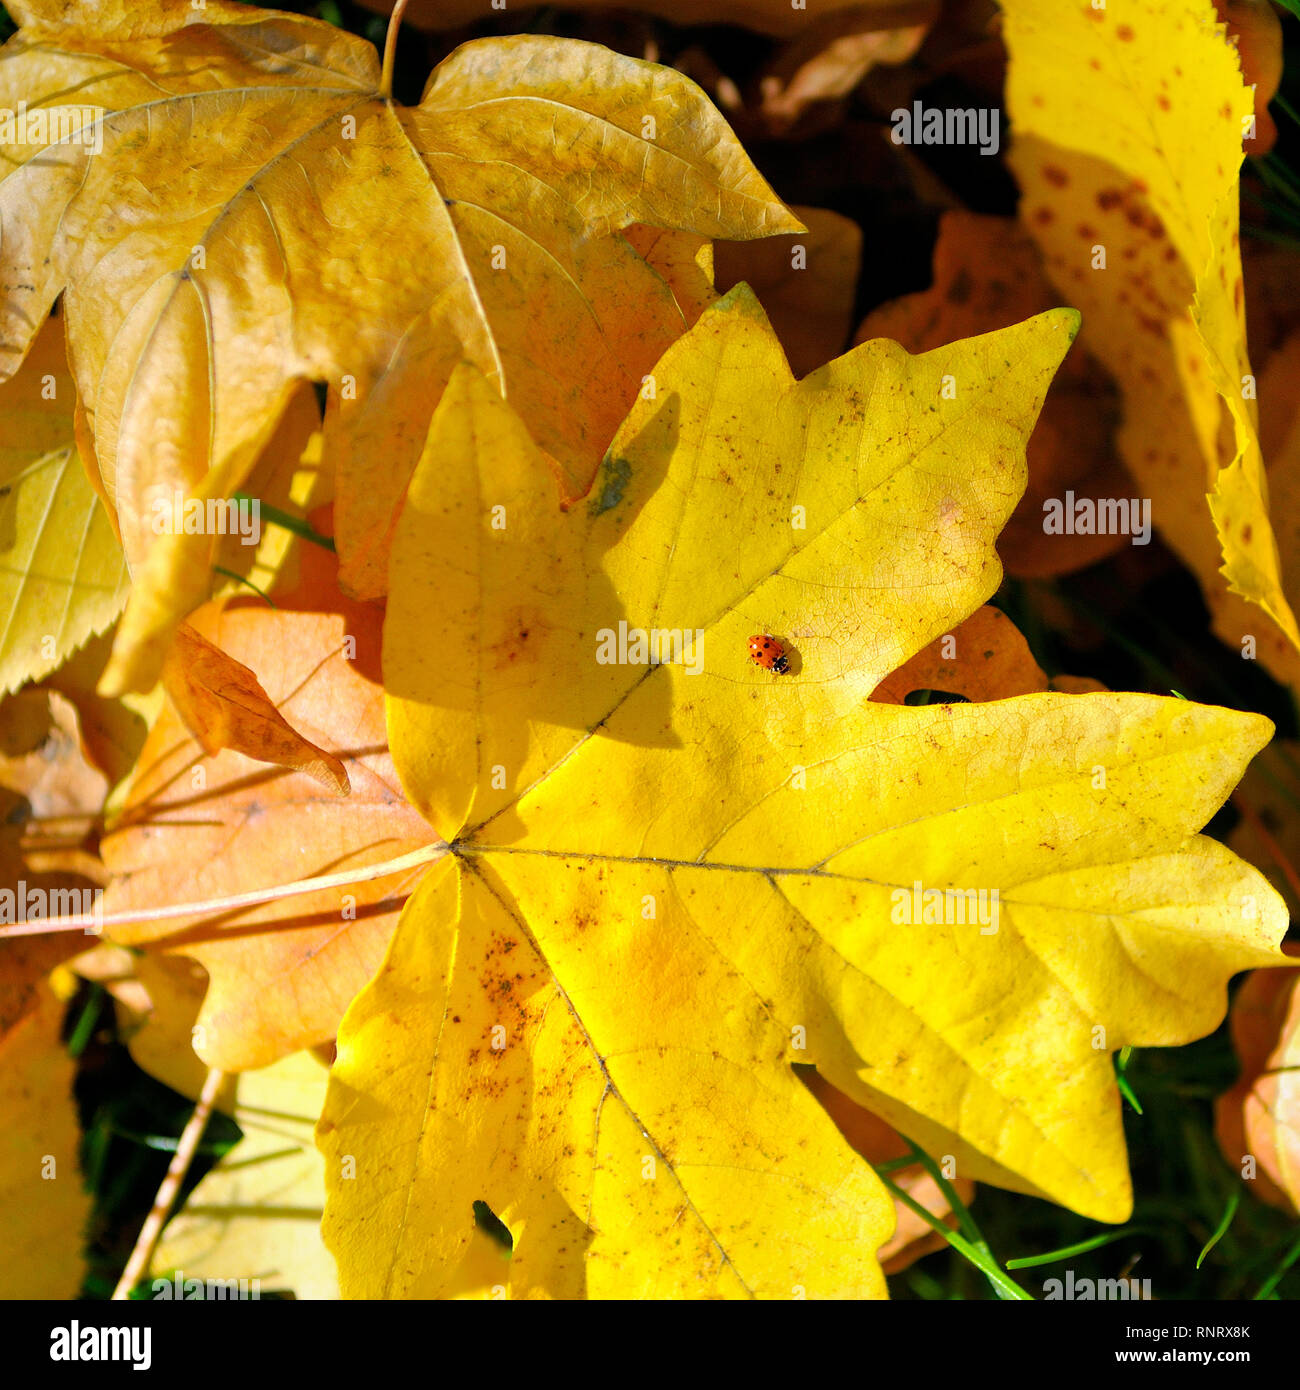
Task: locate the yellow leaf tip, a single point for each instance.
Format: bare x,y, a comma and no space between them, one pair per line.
739,296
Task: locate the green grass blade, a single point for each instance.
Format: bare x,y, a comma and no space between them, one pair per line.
1234,1201
1274,1279
290,523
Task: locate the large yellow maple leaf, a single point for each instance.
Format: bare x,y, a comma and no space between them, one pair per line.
1129,122
668,882
232,203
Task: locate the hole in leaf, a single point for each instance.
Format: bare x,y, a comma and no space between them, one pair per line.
934,697
491,1224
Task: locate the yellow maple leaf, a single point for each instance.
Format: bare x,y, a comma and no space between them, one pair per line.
1129,123
62,572
241,206
669,882
43,1208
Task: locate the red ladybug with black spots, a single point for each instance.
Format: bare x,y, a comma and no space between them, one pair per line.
767,652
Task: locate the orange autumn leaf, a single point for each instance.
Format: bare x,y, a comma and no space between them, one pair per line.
983,658
50,798
1259,1118
43,1207
201,826
112,730
223,705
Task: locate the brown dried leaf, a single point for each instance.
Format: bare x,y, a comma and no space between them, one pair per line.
805,282
984,658
223,705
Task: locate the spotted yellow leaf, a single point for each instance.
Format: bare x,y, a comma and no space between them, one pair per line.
1130,120
673,874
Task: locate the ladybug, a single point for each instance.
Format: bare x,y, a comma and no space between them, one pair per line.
768,653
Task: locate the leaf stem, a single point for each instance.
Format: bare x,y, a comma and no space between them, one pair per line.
390,51
147,1241
92,922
